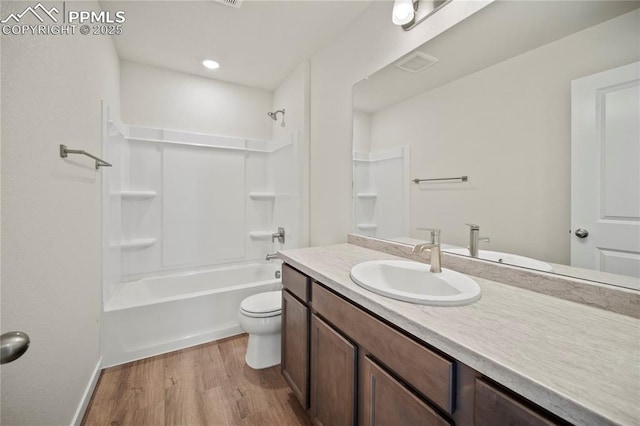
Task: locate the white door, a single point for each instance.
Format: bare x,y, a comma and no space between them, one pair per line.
605,171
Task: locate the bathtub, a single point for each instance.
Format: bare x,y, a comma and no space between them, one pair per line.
156,315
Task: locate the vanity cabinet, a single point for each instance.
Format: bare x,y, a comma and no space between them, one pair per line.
386,401
295,333
363,370
333,376
493,405
429,373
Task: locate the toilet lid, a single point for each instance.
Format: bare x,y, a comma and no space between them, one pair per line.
263,303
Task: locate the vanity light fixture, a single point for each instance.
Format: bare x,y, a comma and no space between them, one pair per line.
212,65
405,11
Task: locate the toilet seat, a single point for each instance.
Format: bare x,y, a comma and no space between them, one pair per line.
262,305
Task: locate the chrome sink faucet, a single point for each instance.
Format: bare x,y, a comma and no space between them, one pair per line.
434,247
475,238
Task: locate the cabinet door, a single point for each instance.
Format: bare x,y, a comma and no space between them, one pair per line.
494,407
386,402
295,347
333,376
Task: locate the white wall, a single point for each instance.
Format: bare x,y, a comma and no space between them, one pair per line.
509,128
165,99
293,95
361,131
51,217
370,43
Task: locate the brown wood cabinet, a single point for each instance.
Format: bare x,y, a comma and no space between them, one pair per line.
295,349
296,283
333,376
494,406
295,361
348,366
431,374
387,402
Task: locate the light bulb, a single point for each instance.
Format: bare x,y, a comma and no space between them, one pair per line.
403,12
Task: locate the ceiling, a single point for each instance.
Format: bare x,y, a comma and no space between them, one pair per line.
257,45
500,31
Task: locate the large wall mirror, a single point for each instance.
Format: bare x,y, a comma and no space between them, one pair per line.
524,120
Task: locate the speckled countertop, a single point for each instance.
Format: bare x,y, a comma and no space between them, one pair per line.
579,362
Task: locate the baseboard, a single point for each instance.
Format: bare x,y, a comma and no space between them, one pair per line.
86,397
120,356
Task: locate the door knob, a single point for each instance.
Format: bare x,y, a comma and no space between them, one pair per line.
13,345
582,233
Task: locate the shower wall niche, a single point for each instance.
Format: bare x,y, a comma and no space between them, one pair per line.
183,201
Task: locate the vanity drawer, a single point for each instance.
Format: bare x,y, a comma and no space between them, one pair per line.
426,371
296,282
494,406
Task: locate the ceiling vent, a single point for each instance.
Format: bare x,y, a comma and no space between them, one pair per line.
416,62
231,3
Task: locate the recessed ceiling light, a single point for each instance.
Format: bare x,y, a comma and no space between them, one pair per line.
212,65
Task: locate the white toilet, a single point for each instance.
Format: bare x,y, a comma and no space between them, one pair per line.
260,316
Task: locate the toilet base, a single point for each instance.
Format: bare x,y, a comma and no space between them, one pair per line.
263,351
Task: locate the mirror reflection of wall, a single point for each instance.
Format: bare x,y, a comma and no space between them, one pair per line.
505,124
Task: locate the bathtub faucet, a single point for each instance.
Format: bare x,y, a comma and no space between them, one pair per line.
278,236
271,256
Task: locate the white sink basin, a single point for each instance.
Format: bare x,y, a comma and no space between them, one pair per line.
506,258
412,282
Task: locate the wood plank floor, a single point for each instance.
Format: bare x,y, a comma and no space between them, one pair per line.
205,385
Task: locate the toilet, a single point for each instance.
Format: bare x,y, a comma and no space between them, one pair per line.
260,316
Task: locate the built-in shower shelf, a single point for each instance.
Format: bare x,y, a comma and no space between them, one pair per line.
262,196
137,195
135,243
367,195
367,226
260,235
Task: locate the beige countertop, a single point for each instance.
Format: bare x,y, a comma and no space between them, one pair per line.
579,362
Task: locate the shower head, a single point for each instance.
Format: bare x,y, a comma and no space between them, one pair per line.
274,116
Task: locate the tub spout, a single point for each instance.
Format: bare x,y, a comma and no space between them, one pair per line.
271,256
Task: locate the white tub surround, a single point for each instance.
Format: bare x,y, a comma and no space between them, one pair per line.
381,201
578,362
188,219
162,314
178,200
